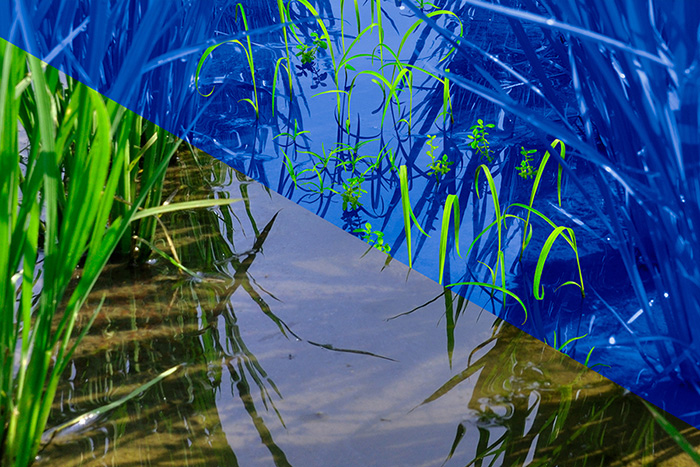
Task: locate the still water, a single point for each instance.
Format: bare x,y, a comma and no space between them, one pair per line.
299,346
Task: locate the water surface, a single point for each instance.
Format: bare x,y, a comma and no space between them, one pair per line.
302,347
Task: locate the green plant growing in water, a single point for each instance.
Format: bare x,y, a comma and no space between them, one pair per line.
307,53
295,134
561,349
377,242
58,201
353,191
408,214
525,170
438,167
422,4
479,141
501,215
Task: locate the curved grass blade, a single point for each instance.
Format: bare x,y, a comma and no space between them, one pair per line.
407,212
451,204
502,289
536,184
49,435
537,289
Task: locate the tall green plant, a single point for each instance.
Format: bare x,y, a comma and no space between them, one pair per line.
55,210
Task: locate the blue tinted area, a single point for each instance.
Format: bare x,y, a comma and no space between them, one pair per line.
622,95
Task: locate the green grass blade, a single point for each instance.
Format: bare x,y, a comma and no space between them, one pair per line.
673,432
204,203
106,408
451,205
559,231
538,177
495,287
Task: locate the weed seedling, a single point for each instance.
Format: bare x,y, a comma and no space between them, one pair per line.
438,166
525,170
307,53
422,4
561,349
293,135
353,191
378,242
479,141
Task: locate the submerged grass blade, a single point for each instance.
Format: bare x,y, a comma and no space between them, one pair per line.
53,432
673,432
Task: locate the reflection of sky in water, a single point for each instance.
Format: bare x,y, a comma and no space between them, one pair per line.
338,408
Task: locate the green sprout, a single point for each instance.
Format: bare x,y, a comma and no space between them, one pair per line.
525,169
438,166
561,349
293,135
377,243
422,4
479,141
307,53
352,193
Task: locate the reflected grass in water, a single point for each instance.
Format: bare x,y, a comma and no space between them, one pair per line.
250,396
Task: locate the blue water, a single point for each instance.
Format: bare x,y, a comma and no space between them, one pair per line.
150,69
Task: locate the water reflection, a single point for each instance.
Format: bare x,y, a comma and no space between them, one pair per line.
533,406
279,334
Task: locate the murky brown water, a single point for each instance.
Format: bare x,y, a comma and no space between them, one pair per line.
290,358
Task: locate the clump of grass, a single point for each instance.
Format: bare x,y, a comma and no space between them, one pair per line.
641,155
57,210
501,214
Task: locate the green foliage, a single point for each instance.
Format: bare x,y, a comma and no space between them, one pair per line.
408,215
438,167
501,215
378,241
525,170
479,141
352,192
307,53
81,190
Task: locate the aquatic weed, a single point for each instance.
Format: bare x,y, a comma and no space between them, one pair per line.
378,240
479,140
525,170
307,53
352,192
438,166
